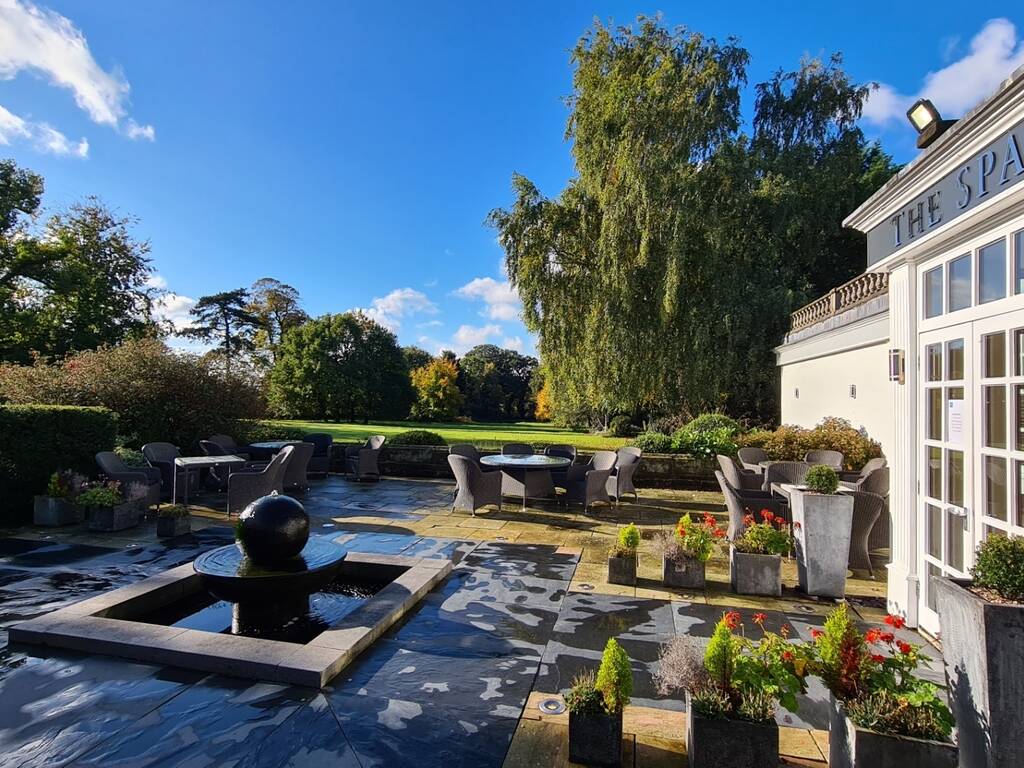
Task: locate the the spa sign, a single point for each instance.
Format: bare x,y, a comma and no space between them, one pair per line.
990,172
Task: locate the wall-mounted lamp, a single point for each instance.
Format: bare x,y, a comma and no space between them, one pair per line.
853,391
927,122
897,366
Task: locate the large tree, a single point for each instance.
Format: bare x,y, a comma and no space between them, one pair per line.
496,382
225,320
663,274
276,307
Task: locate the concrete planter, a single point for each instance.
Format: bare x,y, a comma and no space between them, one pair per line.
983,651
683,571
173,526
755,574
850,746
821,532
622,570
115,518
595,739
51,511
720,743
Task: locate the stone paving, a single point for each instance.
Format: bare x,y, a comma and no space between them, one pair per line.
455,684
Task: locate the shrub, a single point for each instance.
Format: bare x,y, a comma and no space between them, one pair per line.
131,456
790,443
628,541
653,442
173,511
158,394
668,424
768,537
887,712
65,485
41,439
704,444
583,697
417,437
999,566
246,431
614,677
102,495
620,426
711,422
822,479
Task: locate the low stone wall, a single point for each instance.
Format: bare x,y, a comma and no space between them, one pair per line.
656,470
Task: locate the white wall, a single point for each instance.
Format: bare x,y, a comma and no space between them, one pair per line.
823,367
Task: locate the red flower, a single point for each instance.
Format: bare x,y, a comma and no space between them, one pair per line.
759,618
787,656
877,658
748,519
888,637
816,633
767,515
709,518
873,635
732,619
719,533
896,622
904,647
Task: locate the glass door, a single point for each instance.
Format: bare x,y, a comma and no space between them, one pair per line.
945,490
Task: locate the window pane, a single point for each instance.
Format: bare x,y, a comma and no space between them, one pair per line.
995,416
1018,352
933,362
933,479
934,413
1018,262
955,478
1020,492
995,487
955,360
955,416
994,348
960,283
1019,421
933,292
934,523
992,272
931,571
955,541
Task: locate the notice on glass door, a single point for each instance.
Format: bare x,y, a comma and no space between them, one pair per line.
955,421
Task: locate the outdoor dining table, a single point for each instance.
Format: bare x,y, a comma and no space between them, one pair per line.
272,445
519,466
189,463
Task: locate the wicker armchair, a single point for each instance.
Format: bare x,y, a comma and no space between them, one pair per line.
162,456
792,472
751,457
832,459
588,483
875,473
867,508
244,487
476,488
297,466
563,452
362,462
739,478
320,461
231,448
516,449
114,468
620,482
741,503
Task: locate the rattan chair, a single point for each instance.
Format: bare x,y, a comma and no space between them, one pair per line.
620,482
832,459
113,467
363,462
244,487
588,483
475,488
867,509
751,458
320,461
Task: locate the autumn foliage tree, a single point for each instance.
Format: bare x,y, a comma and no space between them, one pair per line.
437,391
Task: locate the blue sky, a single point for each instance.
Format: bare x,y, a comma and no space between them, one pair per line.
354,150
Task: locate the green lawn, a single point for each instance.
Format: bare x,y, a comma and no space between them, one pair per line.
480,435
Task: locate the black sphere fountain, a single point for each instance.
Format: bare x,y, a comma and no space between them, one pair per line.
273,568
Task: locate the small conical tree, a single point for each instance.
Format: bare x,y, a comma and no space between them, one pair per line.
615,677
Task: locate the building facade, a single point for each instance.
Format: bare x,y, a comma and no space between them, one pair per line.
941,360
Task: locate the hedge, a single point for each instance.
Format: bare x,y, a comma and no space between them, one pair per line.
41,439
417,437
246,431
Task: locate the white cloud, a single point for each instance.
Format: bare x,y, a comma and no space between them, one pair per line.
430,324
159,282
500,298
42,136
401,302
513,342
469,336
174,309
43,42
994,53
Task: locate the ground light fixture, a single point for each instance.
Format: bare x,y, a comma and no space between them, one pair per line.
551,706
927,122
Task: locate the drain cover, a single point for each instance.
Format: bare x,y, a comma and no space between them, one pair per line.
328,525
501,538
586,587
551,706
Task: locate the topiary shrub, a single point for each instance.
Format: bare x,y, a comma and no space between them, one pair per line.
417,437
629,539
621,426
39,440
710,422
653,442
614,677
704,445
822,479
246,431
999,566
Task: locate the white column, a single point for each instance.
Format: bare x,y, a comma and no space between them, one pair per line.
903,577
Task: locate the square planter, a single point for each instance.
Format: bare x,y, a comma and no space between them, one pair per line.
116,518
755,574
822,541
983,652
595,739
850,746
683,571
51,511
173,526
720,743
622,570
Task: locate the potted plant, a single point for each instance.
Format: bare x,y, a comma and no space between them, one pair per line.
108,507
732,688
622,560
982,624
173,520
822,523
882,713
755,557
595,709
685,551
58,506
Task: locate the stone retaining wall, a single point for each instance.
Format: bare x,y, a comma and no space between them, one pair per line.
656,470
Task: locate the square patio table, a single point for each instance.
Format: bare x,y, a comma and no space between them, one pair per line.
189,463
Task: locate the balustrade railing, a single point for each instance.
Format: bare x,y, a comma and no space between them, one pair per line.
860,290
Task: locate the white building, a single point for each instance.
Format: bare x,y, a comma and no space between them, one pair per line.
925,351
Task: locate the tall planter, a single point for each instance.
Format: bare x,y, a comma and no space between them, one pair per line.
821,530
115,518
622,570
719,743
755,574
850,746
51,511
983,652
596,739
683,571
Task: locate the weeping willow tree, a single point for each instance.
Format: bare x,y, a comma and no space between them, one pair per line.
664,273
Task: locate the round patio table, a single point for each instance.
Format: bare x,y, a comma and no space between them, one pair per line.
520,466
272,445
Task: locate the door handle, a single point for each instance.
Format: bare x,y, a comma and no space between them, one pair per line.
963,514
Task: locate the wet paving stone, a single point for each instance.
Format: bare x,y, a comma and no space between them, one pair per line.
536,560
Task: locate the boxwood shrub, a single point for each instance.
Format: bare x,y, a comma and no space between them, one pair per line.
38,440
247,431
417,437
653,442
